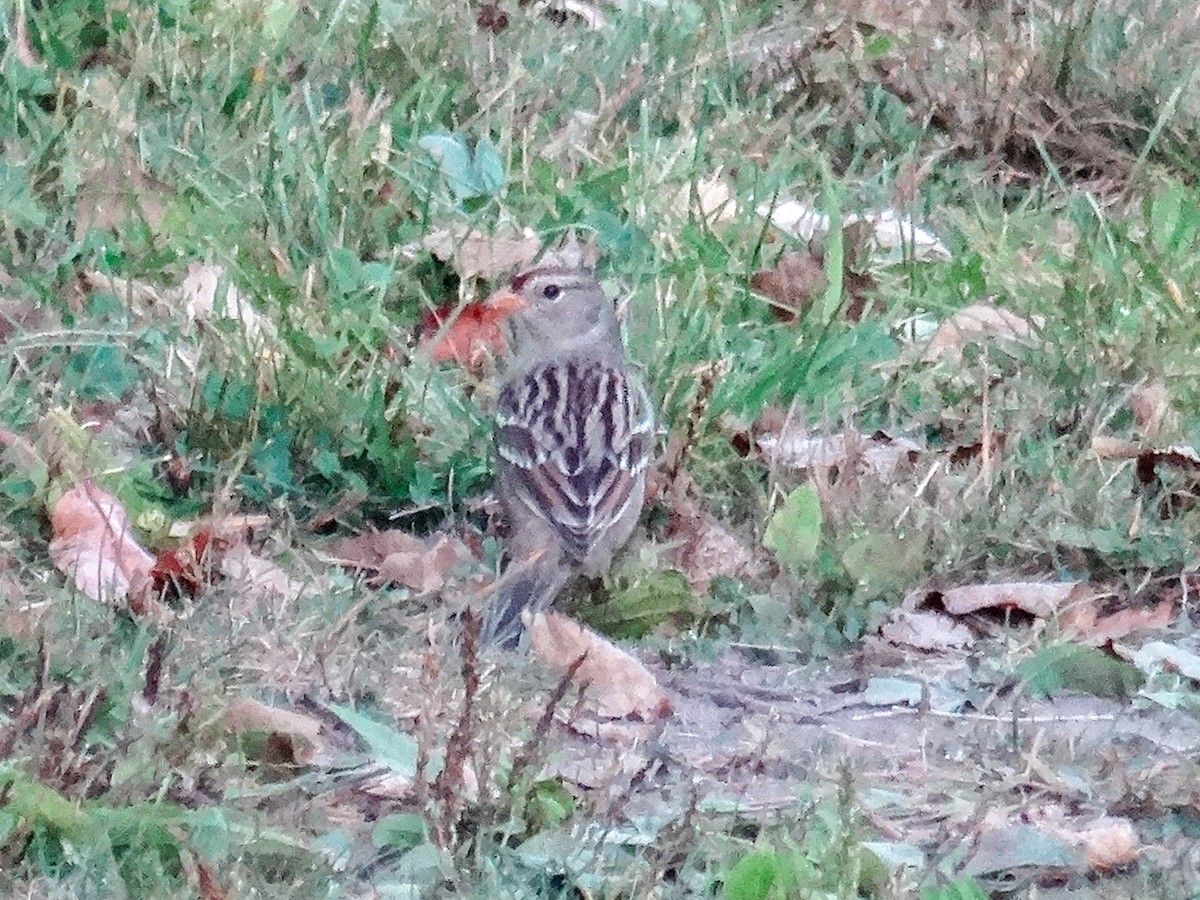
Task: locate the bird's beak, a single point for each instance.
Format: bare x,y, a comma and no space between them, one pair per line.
506,302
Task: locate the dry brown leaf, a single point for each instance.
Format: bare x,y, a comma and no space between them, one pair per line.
478,255
1156,655
112,193
93,545
714,199
260,581
926,630
621,685
295,738
21,46
1151,405
1107,842
977,324
472,338
1038,598
1108,447
792,282
1103,629
198,291
233,528
708,551
207,885
19,317
795,447
423,564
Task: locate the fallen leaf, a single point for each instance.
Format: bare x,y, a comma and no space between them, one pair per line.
707,550
1105,629
1107,842
260,581
794,447
1151,405
1038,598
926,630
900,237
976,324
20,317
714,200
471,339
478,255
22,48
896,235
423,564
1001,851
93,545
198,291
293,738
621,685
797,218
792,283
207,884
1108,447
1158,655
113,193
189,567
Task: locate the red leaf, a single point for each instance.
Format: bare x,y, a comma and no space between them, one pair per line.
471,339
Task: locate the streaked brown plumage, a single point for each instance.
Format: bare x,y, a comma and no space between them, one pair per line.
573,435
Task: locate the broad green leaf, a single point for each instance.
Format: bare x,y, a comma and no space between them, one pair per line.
1074,667
753,877
795,529
652,599
400,831
393,748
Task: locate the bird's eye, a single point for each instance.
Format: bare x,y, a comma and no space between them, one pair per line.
551,291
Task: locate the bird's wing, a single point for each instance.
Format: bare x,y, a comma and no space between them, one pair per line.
577,438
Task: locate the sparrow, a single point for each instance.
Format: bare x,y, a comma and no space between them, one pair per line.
573,433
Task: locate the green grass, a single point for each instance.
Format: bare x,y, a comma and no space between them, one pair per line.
307,150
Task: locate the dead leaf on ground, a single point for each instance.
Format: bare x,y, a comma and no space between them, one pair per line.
471,339
1157,655
18,317
795,447
186,569
423,564
114,192
621,686
891,235
1038,598
1107,842
1002,851
139,295
1183,457
1152,410
926,630
707,550
478,255
981,323
198,291
293,738
1101,630
93,545
791,283
22,48
713,197
257,581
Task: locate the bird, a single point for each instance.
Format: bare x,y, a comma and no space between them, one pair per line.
573,433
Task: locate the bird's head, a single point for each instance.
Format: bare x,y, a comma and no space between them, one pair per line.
554,310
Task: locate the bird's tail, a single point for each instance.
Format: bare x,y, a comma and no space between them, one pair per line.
531,586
